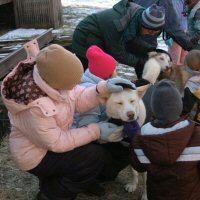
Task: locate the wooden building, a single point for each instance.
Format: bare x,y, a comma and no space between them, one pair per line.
33,13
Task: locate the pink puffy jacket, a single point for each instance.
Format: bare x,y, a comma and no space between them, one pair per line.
41,117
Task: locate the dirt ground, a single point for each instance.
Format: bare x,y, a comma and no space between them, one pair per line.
18,185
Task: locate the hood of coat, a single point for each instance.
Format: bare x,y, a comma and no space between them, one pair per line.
162,147
23,87
128,10
19,89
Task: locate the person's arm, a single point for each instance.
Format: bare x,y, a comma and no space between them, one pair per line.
92,116
172,27
86,98
44,132
141,46
135,163
196,37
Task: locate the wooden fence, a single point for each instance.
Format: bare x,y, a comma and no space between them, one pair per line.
38,13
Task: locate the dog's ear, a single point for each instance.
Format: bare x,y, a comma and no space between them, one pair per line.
152,54
141,90
104,97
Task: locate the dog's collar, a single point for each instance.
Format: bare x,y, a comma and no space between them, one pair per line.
119,122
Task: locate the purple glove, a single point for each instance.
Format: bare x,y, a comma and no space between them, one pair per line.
131,129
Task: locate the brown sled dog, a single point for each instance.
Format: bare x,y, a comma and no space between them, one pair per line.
181,73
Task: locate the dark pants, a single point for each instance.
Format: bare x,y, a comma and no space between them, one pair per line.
63,175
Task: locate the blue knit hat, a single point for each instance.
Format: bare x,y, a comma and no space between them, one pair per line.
153,17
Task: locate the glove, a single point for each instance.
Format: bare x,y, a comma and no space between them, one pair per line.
111,132
131,129
112,84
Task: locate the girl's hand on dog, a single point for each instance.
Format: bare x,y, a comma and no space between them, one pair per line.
116,84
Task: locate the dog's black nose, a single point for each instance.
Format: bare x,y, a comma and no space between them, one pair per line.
130,115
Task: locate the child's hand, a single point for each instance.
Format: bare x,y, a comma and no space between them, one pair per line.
116,84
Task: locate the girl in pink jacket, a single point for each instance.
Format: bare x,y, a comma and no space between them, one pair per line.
41,97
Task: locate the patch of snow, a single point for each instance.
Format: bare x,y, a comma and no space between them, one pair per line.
89,3
22,33
57,31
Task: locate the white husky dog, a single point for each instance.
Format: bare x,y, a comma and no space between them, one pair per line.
128,105
157,63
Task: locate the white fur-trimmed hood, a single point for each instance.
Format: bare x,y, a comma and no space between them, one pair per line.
148,129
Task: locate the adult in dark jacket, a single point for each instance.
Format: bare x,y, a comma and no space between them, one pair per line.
172,25
121,32
168,148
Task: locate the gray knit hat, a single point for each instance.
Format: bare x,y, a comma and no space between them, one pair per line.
166,102
153,17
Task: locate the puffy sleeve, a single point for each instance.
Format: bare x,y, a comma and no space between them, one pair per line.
43,131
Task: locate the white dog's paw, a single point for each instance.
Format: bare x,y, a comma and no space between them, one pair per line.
130,187
144,196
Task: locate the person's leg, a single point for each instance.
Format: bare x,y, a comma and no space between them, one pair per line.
117,158
175,52
63,175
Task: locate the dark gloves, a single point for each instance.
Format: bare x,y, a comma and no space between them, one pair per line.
131,129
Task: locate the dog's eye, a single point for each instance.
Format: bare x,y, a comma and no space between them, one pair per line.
161,58
132,101
120,103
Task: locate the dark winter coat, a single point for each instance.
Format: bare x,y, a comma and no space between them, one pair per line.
171,157
111,30
172,25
